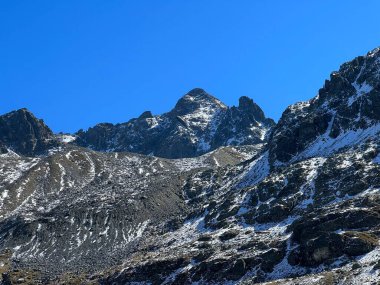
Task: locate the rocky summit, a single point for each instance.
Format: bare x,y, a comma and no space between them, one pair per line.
203,194
22,132
198,123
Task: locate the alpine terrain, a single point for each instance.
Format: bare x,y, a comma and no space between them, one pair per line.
203,194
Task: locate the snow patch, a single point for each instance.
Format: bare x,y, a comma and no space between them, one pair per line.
325,145
361,89
66,138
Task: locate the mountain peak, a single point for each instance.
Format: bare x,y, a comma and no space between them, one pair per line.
21,131
247,104
146,115
23,110
197,92
19,112
198,123
195,99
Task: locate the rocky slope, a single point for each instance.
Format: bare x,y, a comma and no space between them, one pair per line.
302,208
346,110
199,123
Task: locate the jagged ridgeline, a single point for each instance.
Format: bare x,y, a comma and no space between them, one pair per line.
199,123
203,194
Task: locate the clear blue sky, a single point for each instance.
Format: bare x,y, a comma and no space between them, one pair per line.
76,63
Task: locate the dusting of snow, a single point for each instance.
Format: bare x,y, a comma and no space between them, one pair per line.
256,172
308,188
66,138
325,145
298,106
361,89
374,52
203,146
152,122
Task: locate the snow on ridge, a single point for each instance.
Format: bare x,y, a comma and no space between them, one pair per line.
153,122
201,118
361,89
66,138
374,52
325,145
299,106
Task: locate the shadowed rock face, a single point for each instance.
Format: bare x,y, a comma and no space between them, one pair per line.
250,108
243,125
22,132
199,123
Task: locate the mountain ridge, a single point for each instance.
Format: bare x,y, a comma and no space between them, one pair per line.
300,207
190,129
197,124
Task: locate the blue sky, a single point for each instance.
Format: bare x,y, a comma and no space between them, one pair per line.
76,63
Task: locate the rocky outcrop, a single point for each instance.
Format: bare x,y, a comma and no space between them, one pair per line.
198,123
23,133
324,238
348,104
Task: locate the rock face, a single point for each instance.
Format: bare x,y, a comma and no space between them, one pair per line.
347,104
22,132
300,208
199,123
